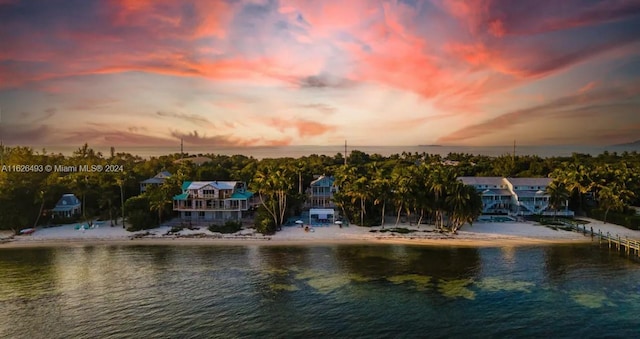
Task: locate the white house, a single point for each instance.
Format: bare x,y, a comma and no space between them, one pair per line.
321,191
515,196
496,196
157,180
203,201
68,206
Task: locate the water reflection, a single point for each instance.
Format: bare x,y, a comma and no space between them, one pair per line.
373,290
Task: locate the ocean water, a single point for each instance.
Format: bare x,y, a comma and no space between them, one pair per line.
372,291
299,151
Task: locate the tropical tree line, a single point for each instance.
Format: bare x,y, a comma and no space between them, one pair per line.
417,186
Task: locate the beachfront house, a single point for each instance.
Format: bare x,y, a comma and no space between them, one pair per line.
515,196
157,180
208,201
320,192
68,206
530,197
496,196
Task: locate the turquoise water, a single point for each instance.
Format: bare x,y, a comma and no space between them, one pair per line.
317,291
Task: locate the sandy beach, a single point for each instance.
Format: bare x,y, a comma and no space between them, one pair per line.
481,234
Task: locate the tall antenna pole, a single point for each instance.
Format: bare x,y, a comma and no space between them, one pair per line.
345,152
514,150
181,148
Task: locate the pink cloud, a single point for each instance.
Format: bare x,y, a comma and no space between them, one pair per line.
305,128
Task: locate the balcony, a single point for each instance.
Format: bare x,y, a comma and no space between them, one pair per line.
189,206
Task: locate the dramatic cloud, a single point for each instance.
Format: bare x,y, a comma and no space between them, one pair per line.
279,72
192,118
194,138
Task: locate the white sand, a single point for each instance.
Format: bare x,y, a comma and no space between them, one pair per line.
479,234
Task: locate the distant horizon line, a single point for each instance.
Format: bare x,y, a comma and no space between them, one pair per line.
177,146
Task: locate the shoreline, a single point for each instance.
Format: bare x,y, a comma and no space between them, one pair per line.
479,235
433,242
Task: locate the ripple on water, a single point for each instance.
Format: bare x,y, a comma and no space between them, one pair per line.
456,288
591,299
497,284
421,282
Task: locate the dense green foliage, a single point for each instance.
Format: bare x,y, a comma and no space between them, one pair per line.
628,219
228,227
414,187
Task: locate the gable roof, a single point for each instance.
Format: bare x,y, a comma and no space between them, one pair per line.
322,180
163,174
492,181
220,185
530,181
154,180
67,202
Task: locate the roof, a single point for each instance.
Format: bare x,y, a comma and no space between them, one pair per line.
241,195
154,180
67,202
321,179
163,174
530,181
185,185
530,193
182,196
496,192
221,185
493,181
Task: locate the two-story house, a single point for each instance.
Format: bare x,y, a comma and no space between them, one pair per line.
529,195
321,191
203,201
515,196
496,196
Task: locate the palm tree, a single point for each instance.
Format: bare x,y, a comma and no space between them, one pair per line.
41,199
382,188
106,201
361,191
558,194
464,205
402,182
158,201
613,197
272,185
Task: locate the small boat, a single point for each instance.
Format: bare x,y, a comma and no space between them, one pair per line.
27,231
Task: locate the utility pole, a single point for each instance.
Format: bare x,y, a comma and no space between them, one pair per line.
345,152
181,148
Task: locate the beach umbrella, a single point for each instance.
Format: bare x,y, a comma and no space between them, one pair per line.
338,222
299,222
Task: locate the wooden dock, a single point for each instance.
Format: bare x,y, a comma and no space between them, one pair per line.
623,245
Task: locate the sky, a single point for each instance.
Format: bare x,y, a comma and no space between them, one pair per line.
235,73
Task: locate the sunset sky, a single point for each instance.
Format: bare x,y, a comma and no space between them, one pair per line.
291,72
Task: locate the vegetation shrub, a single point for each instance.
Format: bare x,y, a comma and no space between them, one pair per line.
264,222
402,230
623,219
139,215
228,227
139,220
